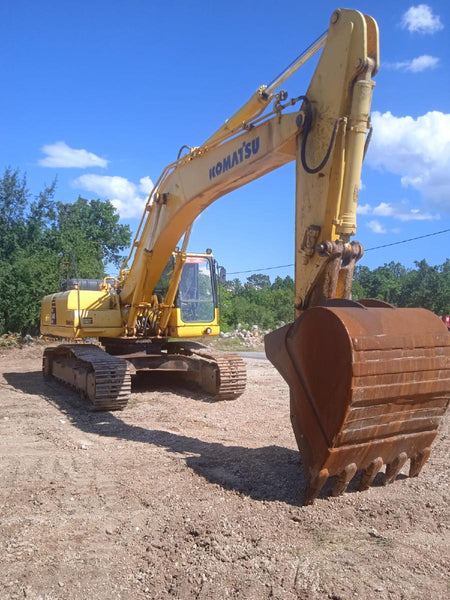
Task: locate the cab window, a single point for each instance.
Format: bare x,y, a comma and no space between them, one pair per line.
195,293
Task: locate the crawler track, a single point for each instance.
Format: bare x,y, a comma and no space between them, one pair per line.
104,379
232,373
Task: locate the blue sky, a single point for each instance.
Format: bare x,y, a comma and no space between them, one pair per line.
102,94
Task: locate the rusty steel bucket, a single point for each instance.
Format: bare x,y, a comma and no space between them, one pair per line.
369,384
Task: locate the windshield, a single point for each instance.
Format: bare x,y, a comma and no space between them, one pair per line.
195,292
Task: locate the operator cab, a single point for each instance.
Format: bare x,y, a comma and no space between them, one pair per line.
196,304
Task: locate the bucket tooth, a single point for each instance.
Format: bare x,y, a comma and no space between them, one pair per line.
343,479
369,474
418,461
315,485
393,468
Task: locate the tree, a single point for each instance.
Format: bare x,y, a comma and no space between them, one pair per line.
37,237
427,287
95,223
383,283
234,286
258,281
13,201
258,302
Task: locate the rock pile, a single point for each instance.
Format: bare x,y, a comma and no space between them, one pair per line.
249,337
16,340
13,340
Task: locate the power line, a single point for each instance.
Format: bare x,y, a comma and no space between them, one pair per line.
258,270
419,237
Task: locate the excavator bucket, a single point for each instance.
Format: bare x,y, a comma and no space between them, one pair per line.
369,385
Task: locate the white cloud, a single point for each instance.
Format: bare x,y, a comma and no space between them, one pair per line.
363,209
61,155
418,150
376,227
124,195
399,211
402,212
421,19
146,185
384,209
416,215
416,65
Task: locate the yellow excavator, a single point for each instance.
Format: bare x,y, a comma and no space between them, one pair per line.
369,383
184,305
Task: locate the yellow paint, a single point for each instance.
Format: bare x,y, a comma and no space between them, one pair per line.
74,314
179,329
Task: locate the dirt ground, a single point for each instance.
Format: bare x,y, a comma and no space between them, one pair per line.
180,497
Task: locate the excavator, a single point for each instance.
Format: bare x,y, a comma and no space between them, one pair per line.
369,383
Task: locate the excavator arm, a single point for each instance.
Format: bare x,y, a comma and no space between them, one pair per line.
326,138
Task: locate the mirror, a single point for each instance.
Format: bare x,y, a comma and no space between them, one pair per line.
222,275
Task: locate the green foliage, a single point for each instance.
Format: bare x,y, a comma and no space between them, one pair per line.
258,302
383,283
425,286
91,230
39,236
258,281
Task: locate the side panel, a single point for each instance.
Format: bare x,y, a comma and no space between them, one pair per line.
179,329
74,314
